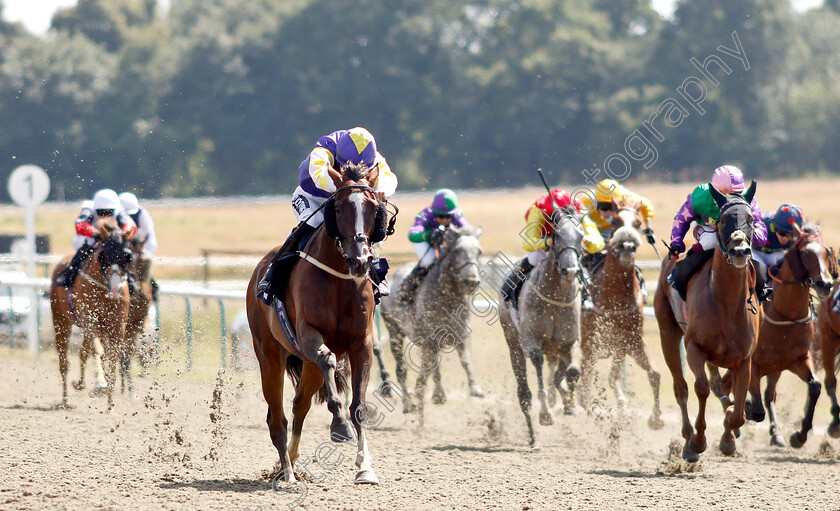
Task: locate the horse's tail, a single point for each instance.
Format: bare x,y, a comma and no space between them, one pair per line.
294,367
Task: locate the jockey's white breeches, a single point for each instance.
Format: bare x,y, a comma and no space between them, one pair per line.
768,258
304,204
425,252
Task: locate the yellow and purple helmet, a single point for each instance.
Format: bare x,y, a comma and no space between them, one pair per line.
356,146
445,202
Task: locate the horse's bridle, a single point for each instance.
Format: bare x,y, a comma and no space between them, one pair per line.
806,281
358,237
451,250
719,233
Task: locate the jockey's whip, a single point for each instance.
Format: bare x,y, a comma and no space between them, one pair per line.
547,188
652,242
671,251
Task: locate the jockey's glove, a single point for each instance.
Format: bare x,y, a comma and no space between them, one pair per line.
648,232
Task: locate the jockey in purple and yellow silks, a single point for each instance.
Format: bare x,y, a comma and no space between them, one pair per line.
332,151
701,208
425,235
536,240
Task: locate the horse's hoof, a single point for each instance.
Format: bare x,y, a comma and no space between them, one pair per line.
546,419
535,446
438,398
570,410
834,430
100,389
476,391
727,448
796,440
656,423
386,390
754,413
340,431
776,440
689,455
698,448
737,433
409,407
366,477
79,385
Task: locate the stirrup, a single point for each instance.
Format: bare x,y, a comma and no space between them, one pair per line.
587,305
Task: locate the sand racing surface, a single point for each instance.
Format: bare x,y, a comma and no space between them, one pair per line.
191,442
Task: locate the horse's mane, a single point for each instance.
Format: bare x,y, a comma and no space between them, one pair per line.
354,172
467,230
624,234
811,228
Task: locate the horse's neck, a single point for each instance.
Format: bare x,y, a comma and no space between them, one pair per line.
442,284
729,285
548,280
788,298
618,280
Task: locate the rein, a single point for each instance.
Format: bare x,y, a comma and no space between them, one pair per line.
318,264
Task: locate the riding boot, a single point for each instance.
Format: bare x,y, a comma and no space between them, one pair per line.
412,281
513,283
683,270
133,287
68,274
586,303
378,271
289,246
836,308
642,285
155,289
762,289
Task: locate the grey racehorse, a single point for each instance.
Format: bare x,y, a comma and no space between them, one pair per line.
438,320
547,325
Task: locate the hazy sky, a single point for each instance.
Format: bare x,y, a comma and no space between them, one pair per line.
36,14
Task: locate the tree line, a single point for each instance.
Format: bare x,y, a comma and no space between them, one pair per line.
222,97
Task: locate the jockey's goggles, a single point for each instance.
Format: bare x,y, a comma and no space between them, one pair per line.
443,216
104,212
605,206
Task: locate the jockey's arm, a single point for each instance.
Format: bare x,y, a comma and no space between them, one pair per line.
419,232
682,221
644,206
534,234
126,224
84,224
387,180
759,238
592,240
151,242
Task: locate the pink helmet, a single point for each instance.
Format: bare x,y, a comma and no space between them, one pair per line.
728,179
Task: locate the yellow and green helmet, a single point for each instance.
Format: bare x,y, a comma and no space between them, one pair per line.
445,202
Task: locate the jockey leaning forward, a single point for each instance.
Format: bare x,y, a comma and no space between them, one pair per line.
332,151
610,196
701,208
537,239
780,233
427,234
145,236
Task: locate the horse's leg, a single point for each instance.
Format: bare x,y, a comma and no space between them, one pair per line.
439,395
62,338
360,362
697,363
615,382
587,377
272,376
640,356
829,344
383,371
465,355
805,370
553,387
538,359
753,408
718,386
669,336
520,371
776,437
340,427
310,382
736,417
98,353
397,335
84,353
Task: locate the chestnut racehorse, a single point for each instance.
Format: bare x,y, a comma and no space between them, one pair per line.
98,301
329,304
720,319
786,334
828,338
614,327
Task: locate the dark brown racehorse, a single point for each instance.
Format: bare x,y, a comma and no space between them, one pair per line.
330,305
787,332
100,303
720,319
828,339
614,327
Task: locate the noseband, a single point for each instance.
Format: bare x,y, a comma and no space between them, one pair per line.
358,237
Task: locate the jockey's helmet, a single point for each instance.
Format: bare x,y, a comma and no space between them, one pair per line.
445,202
607,191
728,179
129,203
356,146
106,199
786,216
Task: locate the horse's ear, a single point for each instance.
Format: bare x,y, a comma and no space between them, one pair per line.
719,198
373,176
750,192
478,232
335,176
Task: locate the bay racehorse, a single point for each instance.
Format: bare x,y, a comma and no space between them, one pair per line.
547,325
614,327
329,304
439,316
98,302
720,322
828,340
787,332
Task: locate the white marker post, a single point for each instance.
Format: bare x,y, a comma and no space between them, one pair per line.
29,186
